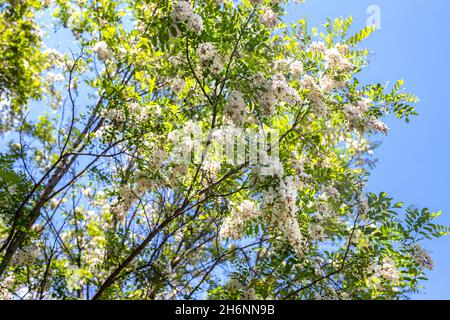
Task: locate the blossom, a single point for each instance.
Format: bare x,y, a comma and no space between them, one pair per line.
271,166
314,93
296,69
336,60
235,108
206,52
356,115
317,233
421,257
26,255
269,18
276,89
268,103
330,192
378,125
327,84
389,272
6,292
213,167
333,56
280,204
342,48
358,146
138,112
279,85
53,78
234,225
317,47
184,13
102,51
217,64
115,115
282,65
210,58
56,56
178,85
54,203
356,237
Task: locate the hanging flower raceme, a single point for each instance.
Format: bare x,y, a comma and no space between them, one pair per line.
183,12
234,225
235,108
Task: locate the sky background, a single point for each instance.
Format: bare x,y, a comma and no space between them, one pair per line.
412,44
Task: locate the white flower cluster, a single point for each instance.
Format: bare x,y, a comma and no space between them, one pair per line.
158,155
315,93
120,209
26,255
184,13
317,47
210,58
335,57
327,84
235,108
269,165
186,143
138,112
269,18
363,204
282,90
276,90
178,85
356,115
115,115
342,48
378,125
206,52
129,194
282,65
102,51
358,146
281,205
389,272
337,60
234,225
330,193
94,253
143,184
176,171
5,288
75,19
296,68
212,167
317,233
421,257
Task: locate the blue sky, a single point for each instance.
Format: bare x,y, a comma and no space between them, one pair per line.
412,44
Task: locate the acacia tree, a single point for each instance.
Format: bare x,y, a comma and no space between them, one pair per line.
268,199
